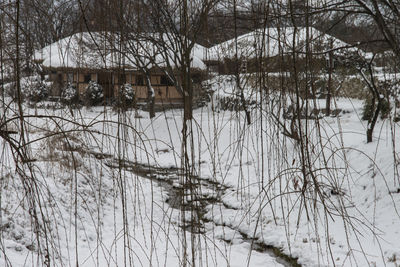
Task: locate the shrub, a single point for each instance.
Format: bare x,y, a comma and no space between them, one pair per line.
35,91
233,103
385,111
94,93
127,93
126,97
369,108
353,87
10,89
69,94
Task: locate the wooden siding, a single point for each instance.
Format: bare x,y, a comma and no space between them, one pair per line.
163,93
82,88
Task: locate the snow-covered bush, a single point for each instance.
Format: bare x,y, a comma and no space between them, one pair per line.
35,91
225,95
69,94
10,89
94,93
126,97
235,103
127,93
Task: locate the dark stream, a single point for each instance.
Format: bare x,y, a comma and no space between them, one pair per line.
192,197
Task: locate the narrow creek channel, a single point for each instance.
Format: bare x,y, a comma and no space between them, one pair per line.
194,197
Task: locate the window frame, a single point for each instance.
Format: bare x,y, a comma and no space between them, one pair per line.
85,80
70,77
139,80
166,81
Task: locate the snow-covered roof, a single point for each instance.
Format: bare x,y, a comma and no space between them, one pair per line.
99,50
272,41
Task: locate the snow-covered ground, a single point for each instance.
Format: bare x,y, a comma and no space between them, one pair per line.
109,216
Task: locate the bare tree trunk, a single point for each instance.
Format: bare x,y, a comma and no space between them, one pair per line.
237,69
371,124
376,97
376,111
329,87
185,55
18,71
150,96
2,60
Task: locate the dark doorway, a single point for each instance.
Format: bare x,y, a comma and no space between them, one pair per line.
105,80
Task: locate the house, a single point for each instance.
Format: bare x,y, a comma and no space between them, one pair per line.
272,46
96,56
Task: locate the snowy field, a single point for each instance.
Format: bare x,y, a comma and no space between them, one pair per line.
97,209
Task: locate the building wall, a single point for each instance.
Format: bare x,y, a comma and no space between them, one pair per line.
82,88
163,93
140,92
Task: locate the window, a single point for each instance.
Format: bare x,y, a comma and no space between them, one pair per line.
197,78
166,81
122,79
70,77
88,78
139,80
